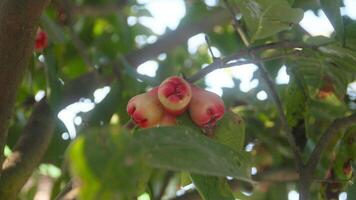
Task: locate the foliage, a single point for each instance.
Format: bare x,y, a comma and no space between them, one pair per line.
89,50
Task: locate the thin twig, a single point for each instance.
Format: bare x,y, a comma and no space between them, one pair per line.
236,24
130,125
67,188
207,40
273,92
325,139
308,171
333,181
283,118
242,62
165,183
235,59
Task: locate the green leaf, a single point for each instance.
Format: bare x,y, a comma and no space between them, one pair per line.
185,178
54,84
230,131
333,62
265,18
182,148
185,120
332,11
212,188
351,192
291,2
108,163
318,40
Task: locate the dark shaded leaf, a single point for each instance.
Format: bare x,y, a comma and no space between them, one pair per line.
182,148
265,18
212,188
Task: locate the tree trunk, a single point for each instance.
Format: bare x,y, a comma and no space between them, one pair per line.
18,25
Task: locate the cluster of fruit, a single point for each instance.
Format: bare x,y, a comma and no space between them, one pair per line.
161,105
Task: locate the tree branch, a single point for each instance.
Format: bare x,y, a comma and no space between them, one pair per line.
37,134
287,130
325,139
272,91
67,188
18,26
308,171
172,39
236,58
28,151
236,24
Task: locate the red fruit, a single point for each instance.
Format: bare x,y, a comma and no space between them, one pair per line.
205,107
145,109
327,88
41,40
347,168
167,120
174,93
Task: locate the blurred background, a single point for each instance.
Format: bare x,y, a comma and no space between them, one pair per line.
101,53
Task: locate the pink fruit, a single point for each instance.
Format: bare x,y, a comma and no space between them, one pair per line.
167,120
174,93
145,109
205,107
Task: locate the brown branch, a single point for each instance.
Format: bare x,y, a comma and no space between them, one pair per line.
235,59
259,60
37,135
18,26
67,188
28,151
325,139
277,175
236,24
309,170
287,130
